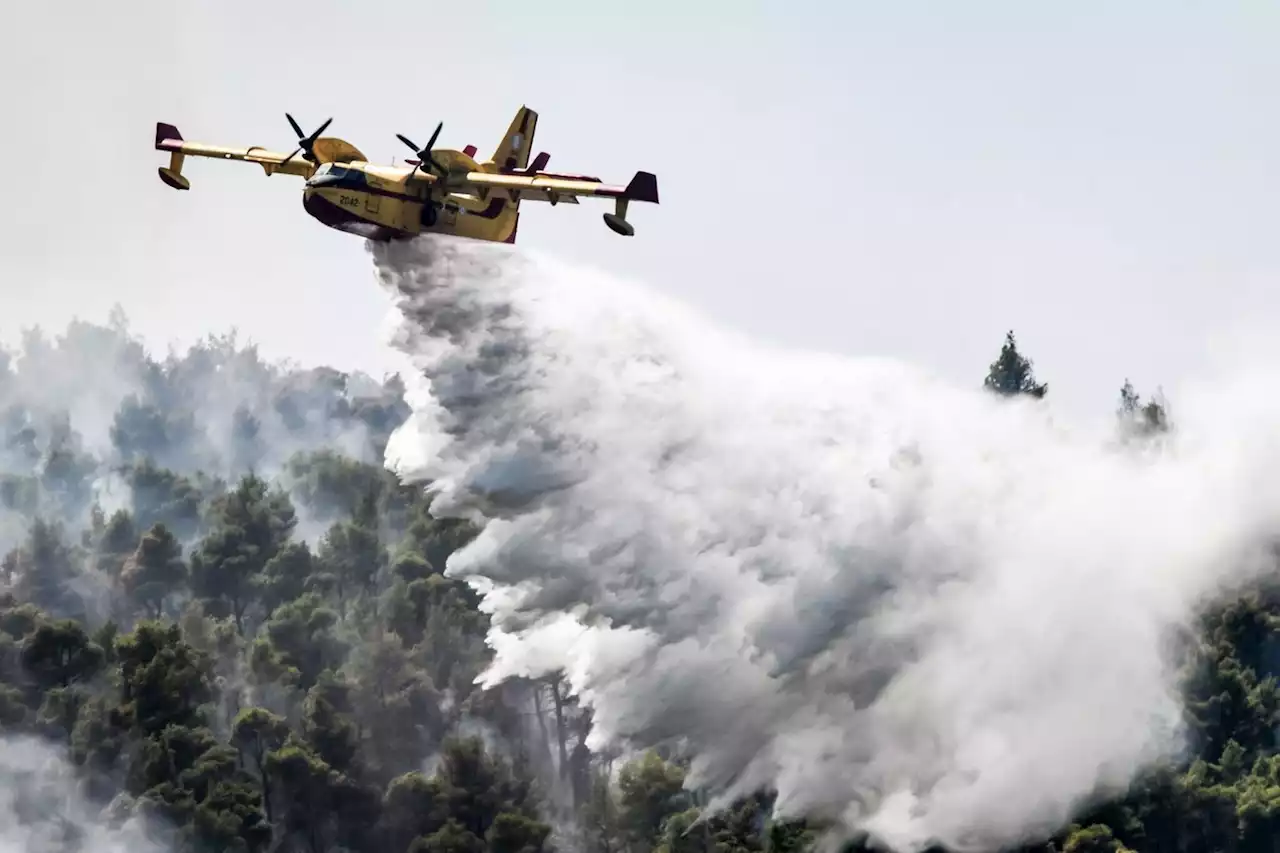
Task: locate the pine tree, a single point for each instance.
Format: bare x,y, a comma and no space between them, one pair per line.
1011,374
1139,419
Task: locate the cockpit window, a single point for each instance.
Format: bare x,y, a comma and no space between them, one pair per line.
331,173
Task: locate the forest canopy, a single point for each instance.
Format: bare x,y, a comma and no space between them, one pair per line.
232,626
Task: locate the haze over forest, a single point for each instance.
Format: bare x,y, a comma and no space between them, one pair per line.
227,625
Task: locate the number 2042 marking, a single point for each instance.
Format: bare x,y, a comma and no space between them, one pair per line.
348,201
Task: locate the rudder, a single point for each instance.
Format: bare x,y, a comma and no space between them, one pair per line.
513,151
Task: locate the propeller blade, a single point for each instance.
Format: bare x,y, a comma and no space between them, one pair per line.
306,143
310,142
290,157
425,160
432,143
319,130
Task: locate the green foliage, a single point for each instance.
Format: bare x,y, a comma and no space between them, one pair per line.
1011,373
1138,419
254,699
155,571
252,524
314,692
46,569
161,496
650,791
164,681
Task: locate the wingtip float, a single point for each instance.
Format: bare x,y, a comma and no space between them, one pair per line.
439,191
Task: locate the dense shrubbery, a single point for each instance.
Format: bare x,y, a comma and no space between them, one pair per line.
235,623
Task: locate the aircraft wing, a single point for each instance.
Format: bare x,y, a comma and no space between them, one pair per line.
169,139
561,190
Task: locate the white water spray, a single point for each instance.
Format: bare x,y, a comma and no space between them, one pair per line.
927,613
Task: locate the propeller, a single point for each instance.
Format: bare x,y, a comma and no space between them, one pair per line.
424,154
306,144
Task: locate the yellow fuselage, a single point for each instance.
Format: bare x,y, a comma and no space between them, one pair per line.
458,196
380,203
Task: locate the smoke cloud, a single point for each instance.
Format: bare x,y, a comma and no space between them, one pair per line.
42,810
79,408
908,607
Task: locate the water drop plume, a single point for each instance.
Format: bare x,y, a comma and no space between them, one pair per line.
910,608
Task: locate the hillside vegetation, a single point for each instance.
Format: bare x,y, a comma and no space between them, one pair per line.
232,624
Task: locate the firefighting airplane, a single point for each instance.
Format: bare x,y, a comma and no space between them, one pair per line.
441,191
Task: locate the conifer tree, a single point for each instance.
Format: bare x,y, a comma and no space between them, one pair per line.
1011,374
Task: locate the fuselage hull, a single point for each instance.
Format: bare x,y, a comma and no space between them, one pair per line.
353,198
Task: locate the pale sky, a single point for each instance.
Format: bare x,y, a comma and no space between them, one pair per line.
903,179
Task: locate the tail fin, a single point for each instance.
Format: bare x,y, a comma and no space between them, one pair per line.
513,151
513,154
